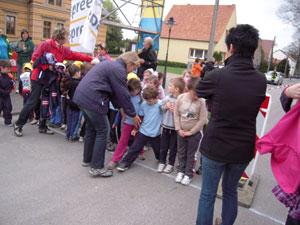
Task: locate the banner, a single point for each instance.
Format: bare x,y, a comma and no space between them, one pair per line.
151,20
84,22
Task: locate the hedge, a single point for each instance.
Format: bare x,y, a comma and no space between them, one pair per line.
172,64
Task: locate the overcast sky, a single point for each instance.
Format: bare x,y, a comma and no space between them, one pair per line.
262,14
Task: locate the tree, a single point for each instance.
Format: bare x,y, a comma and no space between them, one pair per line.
289,12
218,56
281,66
114,35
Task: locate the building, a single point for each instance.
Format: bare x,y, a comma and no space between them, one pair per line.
39,17
190,37
280,55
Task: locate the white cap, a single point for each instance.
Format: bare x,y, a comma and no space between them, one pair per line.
150,70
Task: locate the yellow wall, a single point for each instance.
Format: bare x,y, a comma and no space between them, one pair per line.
39,11
179,49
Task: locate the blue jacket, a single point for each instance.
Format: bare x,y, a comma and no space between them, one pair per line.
106,81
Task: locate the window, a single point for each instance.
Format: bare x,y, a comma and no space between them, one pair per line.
198,53
59,25
10,25
47,29
58,2
55,2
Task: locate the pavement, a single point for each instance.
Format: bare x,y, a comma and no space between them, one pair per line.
44,184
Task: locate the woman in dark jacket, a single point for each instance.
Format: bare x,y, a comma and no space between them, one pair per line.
24,49
105,82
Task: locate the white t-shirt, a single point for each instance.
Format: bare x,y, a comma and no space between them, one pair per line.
25,78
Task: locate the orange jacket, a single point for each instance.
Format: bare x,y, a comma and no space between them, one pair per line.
196,70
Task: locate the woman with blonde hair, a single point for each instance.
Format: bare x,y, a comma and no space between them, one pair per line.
105,82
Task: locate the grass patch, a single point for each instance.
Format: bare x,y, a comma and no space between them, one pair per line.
175,70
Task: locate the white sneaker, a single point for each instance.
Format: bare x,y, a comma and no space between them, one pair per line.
160,167
81,139
63,126
186,180
179,177
34,121
168,169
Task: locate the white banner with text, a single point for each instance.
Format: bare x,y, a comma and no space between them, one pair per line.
84,23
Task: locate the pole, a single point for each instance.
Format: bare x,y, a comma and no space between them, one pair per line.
166,62
213,31
271,56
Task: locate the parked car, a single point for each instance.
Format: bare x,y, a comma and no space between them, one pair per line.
278,80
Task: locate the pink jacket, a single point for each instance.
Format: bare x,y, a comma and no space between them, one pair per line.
283,142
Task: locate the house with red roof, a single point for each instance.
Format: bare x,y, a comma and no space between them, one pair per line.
190,37
280,55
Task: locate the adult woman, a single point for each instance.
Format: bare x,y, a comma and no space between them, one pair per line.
5,49
102,51
24,49
60,52
105,82
148,57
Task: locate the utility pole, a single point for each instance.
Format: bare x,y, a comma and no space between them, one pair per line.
271,56
212,32
286,65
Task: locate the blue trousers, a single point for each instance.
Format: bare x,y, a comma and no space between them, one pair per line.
96,135
73,117
212,172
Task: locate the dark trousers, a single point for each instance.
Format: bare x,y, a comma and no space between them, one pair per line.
138,144
97,131
187,147
30,104
73,117
6,107
82,131
291,221
26,96
113,131
168,141
37,110
64,106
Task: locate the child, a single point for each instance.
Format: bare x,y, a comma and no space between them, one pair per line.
189,117
135,88
26,84
160,77
64,103
187,74
7,84
149,130
73,110
169,135
147,73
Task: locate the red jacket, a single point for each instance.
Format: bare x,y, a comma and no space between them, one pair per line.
62,53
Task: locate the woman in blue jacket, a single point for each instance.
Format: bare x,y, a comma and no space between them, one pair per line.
105,82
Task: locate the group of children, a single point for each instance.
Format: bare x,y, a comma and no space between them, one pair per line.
171,124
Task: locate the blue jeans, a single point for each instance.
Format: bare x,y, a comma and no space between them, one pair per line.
56,115
73,117
212,172
96,135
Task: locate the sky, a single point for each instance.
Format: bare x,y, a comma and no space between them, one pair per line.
262,14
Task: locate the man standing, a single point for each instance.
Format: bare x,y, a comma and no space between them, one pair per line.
236,93
24,49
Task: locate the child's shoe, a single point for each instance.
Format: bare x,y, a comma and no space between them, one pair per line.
34,122
142,156
160,167
179,177
63,126
122,167
168,169
18,131
186,180
112,165
9,124
199,171
81,139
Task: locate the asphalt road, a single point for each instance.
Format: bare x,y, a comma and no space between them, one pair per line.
42,182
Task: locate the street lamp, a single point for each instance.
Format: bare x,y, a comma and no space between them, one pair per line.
170,23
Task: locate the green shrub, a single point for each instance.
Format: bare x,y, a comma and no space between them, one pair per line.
172,64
